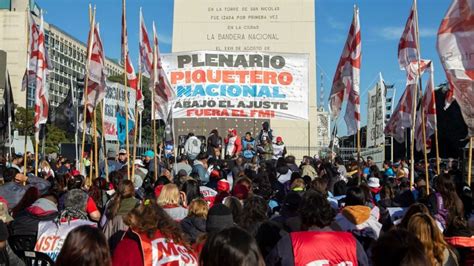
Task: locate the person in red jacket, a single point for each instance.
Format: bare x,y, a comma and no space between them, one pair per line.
153,239
318,244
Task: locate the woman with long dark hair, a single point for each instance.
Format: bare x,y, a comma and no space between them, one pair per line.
191,189
152,231
254,213
445,203
120,205
93,251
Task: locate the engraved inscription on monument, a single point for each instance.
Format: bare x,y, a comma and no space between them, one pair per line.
281,26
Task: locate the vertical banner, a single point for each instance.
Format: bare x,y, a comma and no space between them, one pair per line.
114,104
376,115
239,85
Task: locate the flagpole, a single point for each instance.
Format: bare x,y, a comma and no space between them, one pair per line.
412,144
36,90
9,110
153,107
153,118
104,147
359,161
425,154
438,170
469,163
25,159
90,167
96,153
36,157
86,82
140,132
73,98
333,137
135,131
125,52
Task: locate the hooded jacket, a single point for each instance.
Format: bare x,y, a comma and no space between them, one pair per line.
359,220
193,227
26,222
283,174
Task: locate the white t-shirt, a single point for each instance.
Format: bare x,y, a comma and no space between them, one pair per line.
231,145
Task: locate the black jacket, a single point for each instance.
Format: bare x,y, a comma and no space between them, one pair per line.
193,227
26,223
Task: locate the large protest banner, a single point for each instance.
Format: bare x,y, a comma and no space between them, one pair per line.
376,115
239,85
114,102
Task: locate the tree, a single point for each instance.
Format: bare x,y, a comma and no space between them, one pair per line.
24,122
54,137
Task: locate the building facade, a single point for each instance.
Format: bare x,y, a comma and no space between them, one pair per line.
67,54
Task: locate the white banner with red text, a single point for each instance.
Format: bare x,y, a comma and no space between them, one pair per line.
239,85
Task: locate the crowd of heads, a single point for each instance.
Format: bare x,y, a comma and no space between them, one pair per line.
219,207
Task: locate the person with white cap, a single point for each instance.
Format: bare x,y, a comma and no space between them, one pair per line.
279,149
140,173
375,188
122,157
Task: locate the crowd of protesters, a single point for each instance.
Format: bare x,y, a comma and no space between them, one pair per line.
239,201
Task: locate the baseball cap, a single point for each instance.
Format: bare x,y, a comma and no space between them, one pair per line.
149,153
138,162
279,139
122,151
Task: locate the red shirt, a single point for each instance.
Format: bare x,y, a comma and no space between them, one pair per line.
91,206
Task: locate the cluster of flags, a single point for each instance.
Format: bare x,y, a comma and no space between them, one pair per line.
68,114
415,109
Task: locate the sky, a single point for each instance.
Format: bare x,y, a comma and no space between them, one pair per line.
382,23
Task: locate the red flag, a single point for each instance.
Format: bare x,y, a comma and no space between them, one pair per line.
97,71
347,78
401,118
38,66
146,52
408,45
163,92
429,109
455,39
131,77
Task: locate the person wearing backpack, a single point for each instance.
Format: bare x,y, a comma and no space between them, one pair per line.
192,147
